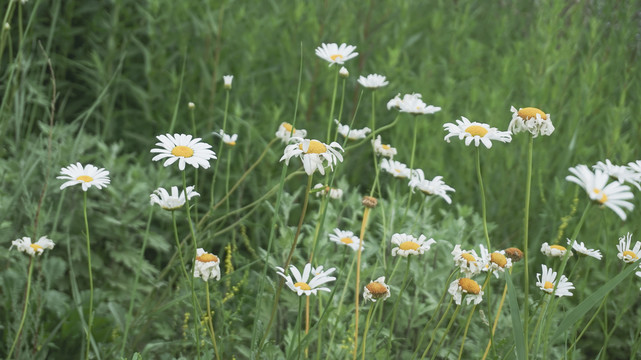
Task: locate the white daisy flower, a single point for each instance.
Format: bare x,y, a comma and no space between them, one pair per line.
553,250
191,105
372,81
285,131
335,54
343,72
314,154
435,186
466,288
184,149
636,167
171,201
334,193
396,168
583,250
613,195
353,134
532,120
468,261
37,248
376,290
627,254
413,104
545,281
478,132
227,139
623,174
409,245
227,79
87,176
383,149
346,238
207,266
395,102
302,284
495,262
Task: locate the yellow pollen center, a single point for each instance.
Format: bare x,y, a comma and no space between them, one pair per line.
302,286
603,198
287,126
334,57
183,151
36,247
231,143
315,147
376,289
409,245
530,113
386,147
347,240
476,130
469,257
548,285
206,257
85,178
470,286
499,259
625,253
557,247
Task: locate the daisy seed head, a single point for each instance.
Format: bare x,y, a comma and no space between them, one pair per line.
369,201
470,286
514,253
376,290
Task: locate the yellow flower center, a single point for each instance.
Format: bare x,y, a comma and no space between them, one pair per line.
183,151
530,113
334,57
409,245
36,247
625,253
207,257
315,147
499,259
287,126
603,198
231,143
469,257
376,289
548,285
386,147
476,130
347,240
470,286
85,178
302,286
557,247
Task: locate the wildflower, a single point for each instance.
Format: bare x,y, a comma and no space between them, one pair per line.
227,139
343,72
174,201
583,250
627,254
352,134
623,174
191,105
476,131
495,262
530,119
334,193
87,176
335,54
376,290
396,168
636,167
346,238
314,154
372,81
303,285
395,102
553,250
612,195
369,202
207,266
468,261
412,103
227,79
409,245
514,253
285,130
466,288
37,248
382,149
184,149
435,186
545,281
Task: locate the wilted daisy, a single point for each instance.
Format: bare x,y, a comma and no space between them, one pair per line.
583,250
475,131
207,266
227,79
184,149
530,119
314,154
468,261
302,284
172,201
352,134
553,250
37,248
87,176
627,254
376,290
285,129
409,245
346,238
396,168
334,193
515,254
335,54
466,288
227,139
495,262
545,281
372,81
412,103
383,149
621,173
435,186
613,195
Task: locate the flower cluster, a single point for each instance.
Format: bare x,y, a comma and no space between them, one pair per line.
301,284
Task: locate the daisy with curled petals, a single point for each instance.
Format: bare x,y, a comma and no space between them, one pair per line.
613,195
627,254
171,201
287,131
623,174
207,266
87,176
636,167
583,250
184,149
346,238
475,131
409,245
545,281
373,81
301,283
333,193
376,290
383,149
435,186
413,104
553,250
495,262
466,288
468,261
314,154
335,54
395,102
25,245
352,134
396,168
532,120
227,139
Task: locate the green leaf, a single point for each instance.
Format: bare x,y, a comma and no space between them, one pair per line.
517,327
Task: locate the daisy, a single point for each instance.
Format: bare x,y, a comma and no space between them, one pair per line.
625,253
383,149
613,195
343,72
468,261
515,254
495,262
409,245
184,149
171,201
285,132
227,79
207,266
466,288
395,102
413,104
623,174
376,290
335,54
532,120
545,282
435,186
227,139
372,81
583,250
476,131
636,167
37,248
88,176
314,154
334,193
346,238
303,285
353,134
396,168
553,250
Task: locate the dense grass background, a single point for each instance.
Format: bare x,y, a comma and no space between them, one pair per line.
125,71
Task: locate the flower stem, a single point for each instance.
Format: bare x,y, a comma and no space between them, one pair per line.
483,206
331,111
220,149
194,299
409,196
526,221
467,326
496,320
367,323
90,323
398,300
447,330
178,246
438,325
358,278
210,322
24,308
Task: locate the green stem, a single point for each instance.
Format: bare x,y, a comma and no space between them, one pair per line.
331,112
526,222
376,168
358,277
367,323
467,325
194,299
220,149
438,325
447,330
227,179
178,246
210,321
483,205
89,325
409,196
398,300
24,308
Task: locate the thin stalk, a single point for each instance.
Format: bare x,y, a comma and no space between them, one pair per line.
377,170
194,299
306,324
340,303
358,278
193,131
178,246
542,314
526,223
89,325
220,149
438,325
227,179
398,301
482,188
467,325
409,196
447,330
367,323
331,112
211,324
496,320
24,308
